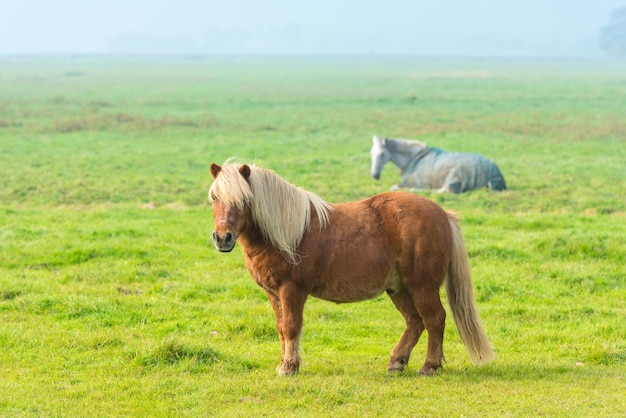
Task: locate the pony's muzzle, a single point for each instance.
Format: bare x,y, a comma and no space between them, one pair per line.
376,176
224,243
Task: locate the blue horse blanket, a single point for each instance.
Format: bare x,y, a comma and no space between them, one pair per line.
455,172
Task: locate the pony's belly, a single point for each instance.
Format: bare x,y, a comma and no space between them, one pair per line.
345,291
345,297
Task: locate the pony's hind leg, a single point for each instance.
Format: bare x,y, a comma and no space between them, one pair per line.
428,304
414,327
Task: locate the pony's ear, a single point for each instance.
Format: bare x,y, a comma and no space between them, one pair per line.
244,170
215,170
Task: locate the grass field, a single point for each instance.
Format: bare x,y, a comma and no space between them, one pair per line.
114,303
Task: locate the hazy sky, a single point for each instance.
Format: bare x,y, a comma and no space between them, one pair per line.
381,27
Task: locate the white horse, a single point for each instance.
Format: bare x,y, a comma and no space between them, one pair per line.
424,167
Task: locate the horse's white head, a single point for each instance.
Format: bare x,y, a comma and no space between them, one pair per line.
380,156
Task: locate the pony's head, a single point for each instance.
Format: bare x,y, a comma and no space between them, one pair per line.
231,197
380,156
247,197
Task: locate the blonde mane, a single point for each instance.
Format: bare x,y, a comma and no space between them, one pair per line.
281,211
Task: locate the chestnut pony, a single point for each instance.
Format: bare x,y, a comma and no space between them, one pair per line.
295,245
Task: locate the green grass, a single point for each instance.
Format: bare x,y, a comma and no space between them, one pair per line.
114,303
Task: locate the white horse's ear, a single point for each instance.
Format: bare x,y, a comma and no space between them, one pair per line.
376,140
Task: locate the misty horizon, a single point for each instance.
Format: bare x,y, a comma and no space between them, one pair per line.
278,27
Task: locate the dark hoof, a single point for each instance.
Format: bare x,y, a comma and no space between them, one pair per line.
395,367
427,370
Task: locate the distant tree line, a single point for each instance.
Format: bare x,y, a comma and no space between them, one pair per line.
613,35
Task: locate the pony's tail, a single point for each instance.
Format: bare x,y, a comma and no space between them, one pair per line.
461,299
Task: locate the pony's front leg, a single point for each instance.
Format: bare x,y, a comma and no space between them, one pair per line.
278,313
292,299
